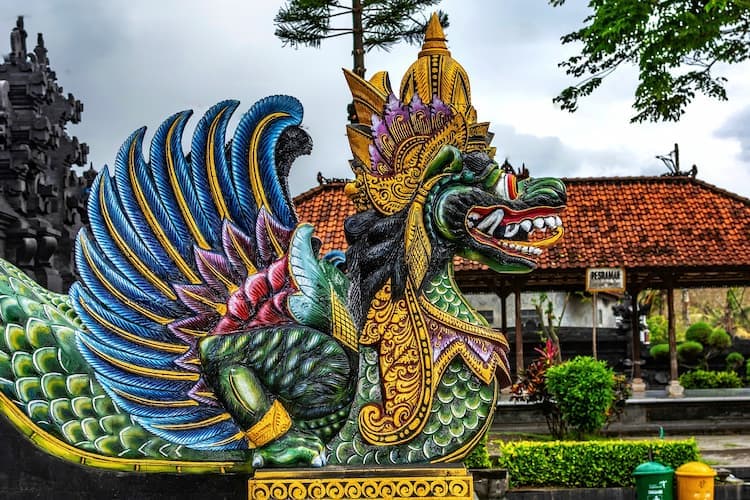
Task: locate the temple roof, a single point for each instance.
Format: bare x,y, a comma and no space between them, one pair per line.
662,230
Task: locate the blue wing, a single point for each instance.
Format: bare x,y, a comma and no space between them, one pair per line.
171,240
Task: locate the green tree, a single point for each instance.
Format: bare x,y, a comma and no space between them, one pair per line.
676,45
584,389
549,321
372,24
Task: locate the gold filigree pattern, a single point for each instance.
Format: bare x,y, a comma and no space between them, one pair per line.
343,327
405,362
273,424
454,483
417,244
412,143
486,339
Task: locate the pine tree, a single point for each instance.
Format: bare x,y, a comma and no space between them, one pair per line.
374,24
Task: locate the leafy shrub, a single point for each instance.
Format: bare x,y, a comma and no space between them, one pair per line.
657,328
735,361
532,388
719,340
587,464
584,390
479,458
620,397
659,352
698,332
689,351
702,379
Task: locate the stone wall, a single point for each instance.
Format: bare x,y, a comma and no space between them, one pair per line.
42,201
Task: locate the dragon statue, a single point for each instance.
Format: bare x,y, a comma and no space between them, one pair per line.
207,334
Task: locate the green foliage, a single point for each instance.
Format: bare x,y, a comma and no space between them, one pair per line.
675,46
479,458
734,361
659,352
719,340
584,390
657,327
689,351
620,397
588,464
383,22
699,332
532,388
549,321
703,379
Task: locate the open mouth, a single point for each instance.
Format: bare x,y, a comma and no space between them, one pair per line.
521,233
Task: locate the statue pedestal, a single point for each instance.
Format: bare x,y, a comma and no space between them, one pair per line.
448,481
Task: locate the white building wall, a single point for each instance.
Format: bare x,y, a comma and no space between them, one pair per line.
577,313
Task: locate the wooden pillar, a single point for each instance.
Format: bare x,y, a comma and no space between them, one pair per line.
504,313
674,388
637,383
519,334
594,321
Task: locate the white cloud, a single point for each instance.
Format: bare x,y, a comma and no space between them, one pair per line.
136,62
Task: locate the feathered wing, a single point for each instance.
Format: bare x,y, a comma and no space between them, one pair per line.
175,243
48,391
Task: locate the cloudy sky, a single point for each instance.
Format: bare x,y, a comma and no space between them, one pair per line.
134,62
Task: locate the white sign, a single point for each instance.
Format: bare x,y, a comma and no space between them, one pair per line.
605,279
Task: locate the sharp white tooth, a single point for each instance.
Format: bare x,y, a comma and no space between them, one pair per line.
492,220
539,223
526,225
550,221
511,230
558,220
491,232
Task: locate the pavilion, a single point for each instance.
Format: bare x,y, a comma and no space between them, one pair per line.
667,232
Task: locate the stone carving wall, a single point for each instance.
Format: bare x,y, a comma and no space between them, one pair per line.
42,201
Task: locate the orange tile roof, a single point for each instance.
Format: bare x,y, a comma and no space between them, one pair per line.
325,207
631,222
651,222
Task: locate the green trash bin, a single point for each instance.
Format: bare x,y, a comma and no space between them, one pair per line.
654,481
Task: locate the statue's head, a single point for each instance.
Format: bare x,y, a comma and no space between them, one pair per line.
424,153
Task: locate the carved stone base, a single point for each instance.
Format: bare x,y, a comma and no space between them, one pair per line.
675,390
638,385
424,482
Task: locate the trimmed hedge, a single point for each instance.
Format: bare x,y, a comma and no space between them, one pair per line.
702,379
479,457
587,464
660,352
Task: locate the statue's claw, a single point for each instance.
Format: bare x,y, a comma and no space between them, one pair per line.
319,460
295,448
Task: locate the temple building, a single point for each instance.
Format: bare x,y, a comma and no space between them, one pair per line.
42,201
666,232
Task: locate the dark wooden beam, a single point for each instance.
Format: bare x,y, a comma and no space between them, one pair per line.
519,334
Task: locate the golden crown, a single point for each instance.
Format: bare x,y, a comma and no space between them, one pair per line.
393,140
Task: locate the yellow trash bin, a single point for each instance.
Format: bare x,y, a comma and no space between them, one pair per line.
695,481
